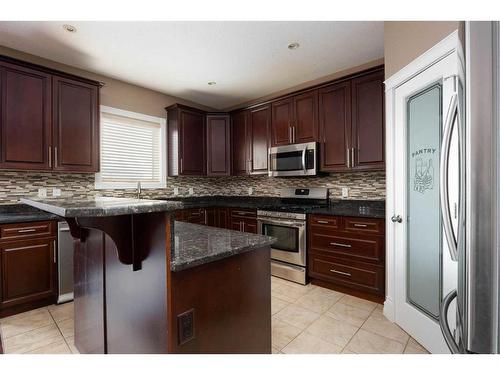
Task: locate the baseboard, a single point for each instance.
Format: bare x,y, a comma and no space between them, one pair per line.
389,309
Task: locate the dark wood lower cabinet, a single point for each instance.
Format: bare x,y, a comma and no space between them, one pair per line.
347,254
27,267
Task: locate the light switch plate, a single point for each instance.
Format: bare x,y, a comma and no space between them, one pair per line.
345,192
176,191
42,193
250,190
56,192
191,191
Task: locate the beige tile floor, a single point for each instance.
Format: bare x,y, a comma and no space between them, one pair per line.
305,320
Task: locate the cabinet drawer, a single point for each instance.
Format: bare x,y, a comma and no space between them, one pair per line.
364,248
27,230
326,221
355,275
243,213
364,225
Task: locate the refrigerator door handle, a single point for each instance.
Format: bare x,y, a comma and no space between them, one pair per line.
443,178
443,322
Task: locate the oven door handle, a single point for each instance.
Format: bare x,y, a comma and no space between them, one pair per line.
278,222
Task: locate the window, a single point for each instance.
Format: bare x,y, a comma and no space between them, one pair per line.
133,149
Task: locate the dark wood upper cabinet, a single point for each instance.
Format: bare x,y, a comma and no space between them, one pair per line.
351,118
260,119
49,120
186,141
76,125
240,146
25,118
368,121
295,119
218,145
335,126
306,117
282,118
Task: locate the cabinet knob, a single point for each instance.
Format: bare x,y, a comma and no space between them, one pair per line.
397,219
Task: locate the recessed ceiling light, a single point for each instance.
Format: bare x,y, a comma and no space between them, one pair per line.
212,83
293,45
69,28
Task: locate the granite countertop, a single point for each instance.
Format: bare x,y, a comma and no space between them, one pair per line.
198,244
21,213
356,208
103,206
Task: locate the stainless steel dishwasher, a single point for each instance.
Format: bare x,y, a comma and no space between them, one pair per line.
65,262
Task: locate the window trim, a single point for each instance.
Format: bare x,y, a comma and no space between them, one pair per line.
102,185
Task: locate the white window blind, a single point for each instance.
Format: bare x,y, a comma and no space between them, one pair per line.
132,150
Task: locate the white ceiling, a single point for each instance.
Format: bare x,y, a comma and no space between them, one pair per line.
248,60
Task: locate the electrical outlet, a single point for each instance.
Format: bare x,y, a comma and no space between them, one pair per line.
191,191
345,192
250,190
42,193
56,192
176,191
185,326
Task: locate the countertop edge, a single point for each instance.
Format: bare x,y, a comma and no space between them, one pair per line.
59,211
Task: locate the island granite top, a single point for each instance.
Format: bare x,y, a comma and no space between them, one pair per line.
199,244
102,206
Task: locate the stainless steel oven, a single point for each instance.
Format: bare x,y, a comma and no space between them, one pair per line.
293,160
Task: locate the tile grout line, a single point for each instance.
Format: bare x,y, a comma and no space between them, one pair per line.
30,330
355,333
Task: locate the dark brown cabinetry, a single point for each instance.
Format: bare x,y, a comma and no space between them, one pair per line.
75,125
244,220
186,141
218,145
48,121
240,143
25,118
259,138
348,254
27,266
294,119
212,216
351,121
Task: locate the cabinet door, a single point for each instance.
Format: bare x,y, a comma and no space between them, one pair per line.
211,215
250,226
27,271
223,218
240,143
218,146
193,145
25,118
75,125
236,224
305,123
260,119
281,122
335,126
368,121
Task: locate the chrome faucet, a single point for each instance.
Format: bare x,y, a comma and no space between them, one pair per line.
139,189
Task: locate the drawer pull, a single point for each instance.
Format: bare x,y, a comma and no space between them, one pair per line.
322,221
340,272
340,244
361,225
26,230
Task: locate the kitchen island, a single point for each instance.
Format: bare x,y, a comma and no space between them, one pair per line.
147,284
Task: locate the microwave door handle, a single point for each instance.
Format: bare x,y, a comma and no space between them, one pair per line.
304,159
443,180
443,322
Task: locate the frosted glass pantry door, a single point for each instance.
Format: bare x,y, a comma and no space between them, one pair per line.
424,118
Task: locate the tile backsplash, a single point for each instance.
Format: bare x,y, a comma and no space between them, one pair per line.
361,185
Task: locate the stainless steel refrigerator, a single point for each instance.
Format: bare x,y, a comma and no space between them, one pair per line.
474,240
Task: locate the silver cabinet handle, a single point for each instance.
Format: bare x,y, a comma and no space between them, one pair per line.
243,226
55,157
396,219
348,158
340,272
322,221
289,133
340,244
293,134
361,225
182,167
55,259
50,156
443,180
352,158
26,230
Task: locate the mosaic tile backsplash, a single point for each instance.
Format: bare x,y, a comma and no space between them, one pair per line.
362,185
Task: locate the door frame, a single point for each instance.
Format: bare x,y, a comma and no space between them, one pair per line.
449,45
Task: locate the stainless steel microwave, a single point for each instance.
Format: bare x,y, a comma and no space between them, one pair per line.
293,160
